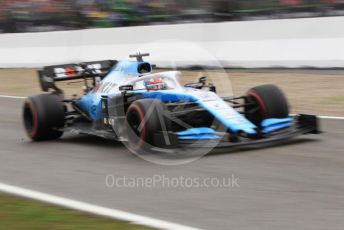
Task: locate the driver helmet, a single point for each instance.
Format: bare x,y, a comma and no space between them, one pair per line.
155,84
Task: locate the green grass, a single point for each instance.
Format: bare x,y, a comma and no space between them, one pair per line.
18,213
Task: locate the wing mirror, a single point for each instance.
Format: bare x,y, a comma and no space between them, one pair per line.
202,80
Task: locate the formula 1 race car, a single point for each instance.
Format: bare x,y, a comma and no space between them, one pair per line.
126,101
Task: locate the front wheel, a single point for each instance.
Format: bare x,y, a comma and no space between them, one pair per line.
266,101
144,119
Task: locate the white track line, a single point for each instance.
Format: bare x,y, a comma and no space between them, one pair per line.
93,209
323,117
332,118
13,97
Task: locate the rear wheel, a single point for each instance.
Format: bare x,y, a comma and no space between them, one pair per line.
43,115
266,101
144,119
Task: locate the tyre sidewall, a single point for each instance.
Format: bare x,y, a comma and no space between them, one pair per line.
271,100
150,112
48,115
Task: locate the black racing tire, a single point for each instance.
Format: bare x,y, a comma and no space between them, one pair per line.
271,102
43,115
144,118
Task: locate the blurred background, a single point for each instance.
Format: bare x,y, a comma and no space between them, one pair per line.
17,16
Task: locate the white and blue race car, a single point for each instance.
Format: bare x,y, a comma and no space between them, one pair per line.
126,101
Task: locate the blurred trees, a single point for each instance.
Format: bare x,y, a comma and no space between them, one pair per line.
47,15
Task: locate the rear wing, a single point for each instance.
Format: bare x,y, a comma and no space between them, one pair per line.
87,70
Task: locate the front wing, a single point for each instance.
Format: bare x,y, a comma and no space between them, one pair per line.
302,124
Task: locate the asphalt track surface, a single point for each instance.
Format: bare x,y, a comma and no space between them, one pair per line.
295,186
